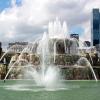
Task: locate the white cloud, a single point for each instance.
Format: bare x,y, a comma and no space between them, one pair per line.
23,21
29,19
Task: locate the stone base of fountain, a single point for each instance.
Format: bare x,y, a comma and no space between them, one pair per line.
77,73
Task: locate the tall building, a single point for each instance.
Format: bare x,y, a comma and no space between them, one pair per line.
95,29
0,49
17,43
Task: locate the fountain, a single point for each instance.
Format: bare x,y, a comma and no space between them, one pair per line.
46,73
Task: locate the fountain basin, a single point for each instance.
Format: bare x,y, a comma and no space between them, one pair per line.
72,90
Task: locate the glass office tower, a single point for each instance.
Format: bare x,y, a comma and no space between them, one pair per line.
95,29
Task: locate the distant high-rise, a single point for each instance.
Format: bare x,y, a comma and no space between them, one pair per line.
76,36
17,47
87,43
95,29
0,49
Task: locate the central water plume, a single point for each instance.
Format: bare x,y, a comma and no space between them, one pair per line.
58,30
48,74
43,51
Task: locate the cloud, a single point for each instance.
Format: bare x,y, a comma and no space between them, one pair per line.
19,22
28,18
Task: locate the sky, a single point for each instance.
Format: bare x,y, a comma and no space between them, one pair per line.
24,20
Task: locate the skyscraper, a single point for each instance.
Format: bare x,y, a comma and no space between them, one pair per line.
0,49
95,29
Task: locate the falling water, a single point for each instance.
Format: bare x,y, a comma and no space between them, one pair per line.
54,51
87,64
6,53
26,49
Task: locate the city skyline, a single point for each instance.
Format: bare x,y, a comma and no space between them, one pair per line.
22,19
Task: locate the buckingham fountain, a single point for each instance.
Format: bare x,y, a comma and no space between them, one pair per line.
43,60
52,67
